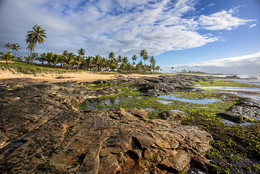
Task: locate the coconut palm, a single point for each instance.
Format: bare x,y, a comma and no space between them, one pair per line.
65,52
34,57
139,66
30,47
119,59
7,56
69,59
78,60
113,64
105,64
54,60
89,62
81,52
15,47
19,59
111,56
125,60
49,58
43,57
144,55
8,46
129,66
97,62
37,35
153,62
134,59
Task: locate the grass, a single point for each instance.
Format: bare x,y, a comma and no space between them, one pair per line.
21,67
224,83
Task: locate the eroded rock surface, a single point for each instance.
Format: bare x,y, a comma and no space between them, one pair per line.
41,131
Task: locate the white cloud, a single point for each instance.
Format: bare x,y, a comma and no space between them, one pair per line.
122,26
248,64
253,25
223,20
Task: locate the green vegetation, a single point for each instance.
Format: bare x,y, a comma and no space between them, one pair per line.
21,67
37,35
80,61
224,83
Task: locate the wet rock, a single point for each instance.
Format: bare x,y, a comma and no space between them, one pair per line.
171,114
243,110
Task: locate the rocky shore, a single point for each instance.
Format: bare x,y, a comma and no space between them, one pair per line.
43,131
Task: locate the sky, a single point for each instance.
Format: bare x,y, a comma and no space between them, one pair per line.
219,36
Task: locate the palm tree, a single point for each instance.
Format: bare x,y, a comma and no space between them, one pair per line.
89,62
19,59
7,56
15,47
144,55
43,57
113,64
55,58
139,66
37,35
64,57
97,62
125,60
129,66
153,62
81,52
69,59
105,63
33,57
8,46
111,56
30,47
65,52
134,59
119,59
78,60
49,58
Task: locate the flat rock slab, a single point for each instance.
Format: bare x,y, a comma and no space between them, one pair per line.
42,132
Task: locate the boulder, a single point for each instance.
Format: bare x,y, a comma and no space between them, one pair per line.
243,110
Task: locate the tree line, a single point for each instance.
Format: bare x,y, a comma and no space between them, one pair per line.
78,61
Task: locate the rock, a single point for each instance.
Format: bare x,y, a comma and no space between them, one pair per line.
139,113
3,140
178,162
244,109
42,133
200,163
171,114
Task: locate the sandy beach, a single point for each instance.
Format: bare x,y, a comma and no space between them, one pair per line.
79,76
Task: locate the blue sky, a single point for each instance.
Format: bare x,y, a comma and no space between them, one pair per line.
185,34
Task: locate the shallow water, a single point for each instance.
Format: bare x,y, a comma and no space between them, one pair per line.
93,103
240,90
233,123
198,101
